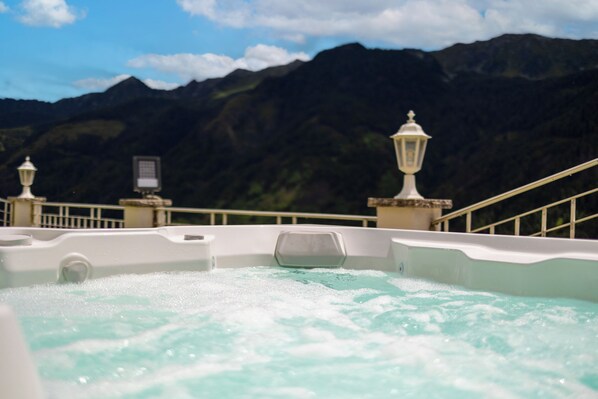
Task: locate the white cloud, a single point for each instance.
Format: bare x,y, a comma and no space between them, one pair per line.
160,84
419,23
203,66
263,56
228,12
199,7
104,83
3,7
53,13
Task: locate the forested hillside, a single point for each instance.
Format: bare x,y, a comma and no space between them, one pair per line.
314,136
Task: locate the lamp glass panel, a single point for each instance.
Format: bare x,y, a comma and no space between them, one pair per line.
422,151
26,177
410,152
399,153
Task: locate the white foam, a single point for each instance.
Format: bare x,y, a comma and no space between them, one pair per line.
430,335
284,392
92,346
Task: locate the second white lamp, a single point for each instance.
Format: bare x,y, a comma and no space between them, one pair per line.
410,146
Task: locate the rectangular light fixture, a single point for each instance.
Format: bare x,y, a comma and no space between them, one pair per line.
147,177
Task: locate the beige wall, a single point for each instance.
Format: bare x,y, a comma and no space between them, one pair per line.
138,217
26,212
407,218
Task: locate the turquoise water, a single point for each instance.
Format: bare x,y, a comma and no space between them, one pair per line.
275,333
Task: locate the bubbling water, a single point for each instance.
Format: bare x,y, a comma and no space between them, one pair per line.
276,333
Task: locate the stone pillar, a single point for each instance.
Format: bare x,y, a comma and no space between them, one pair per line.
409,214
145,212
26,212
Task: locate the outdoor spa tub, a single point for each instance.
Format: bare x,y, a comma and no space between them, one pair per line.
392,306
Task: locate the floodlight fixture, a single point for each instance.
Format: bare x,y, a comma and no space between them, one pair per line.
147,177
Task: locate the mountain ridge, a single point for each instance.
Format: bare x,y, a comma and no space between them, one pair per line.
313,136
529,56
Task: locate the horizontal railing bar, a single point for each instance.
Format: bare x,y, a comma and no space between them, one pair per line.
577,221
85,206
564,225
304,215
585,219
517,191
554,228
512,218
483,228
560,226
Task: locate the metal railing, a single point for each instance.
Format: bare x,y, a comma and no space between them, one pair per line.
5,211
70,215
543,210
85,216
81,216
221,216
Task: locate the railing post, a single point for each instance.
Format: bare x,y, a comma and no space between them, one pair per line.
159,216
468,222
572,218
517,226
224,218
6,213
37,213
212,219
544,221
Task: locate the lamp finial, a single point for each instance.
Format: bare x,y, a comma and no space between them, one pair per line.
411,115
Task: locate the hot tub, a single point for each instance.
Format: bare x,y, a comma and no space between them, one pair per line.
319,270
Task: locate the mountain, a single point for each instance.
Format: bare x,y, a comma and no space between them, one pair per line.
16,113
530,56
314,136
237,81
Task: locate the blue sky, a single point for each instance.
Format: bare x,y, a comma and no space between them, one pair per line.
52,49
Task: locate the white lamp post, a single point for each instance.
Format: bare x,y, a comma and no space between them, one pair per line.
26,175
410,146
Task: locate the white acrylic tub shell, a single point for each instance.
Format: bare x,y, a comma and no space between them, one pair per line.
102,252
18,375
513,265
